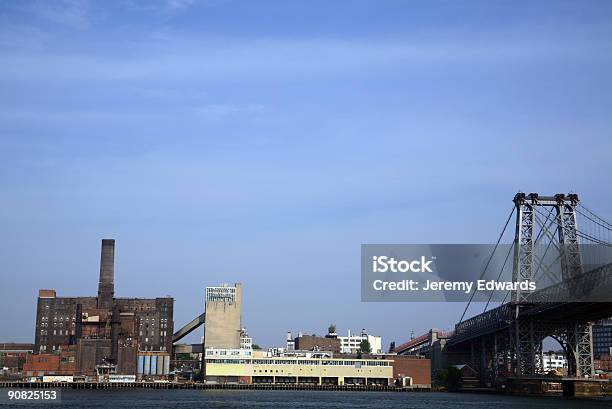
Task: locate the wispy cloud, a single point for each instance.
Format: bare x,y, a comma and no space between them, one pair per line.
219,111
160,5
180,4
288,59
70,13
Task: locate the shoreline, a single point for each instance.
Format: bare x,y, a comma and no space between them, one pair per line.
203,386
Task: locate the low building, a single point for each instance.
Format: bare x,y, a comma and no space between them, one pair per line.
244,366
61,363
416,368
604,363
12,358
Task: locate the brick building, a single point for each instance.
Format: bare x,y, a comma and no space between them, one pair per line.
63,362
104,330
313,342
12,358
415,367
604,363
419,369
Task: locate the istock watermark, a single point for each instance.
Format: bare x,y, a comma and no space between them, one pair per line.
482,272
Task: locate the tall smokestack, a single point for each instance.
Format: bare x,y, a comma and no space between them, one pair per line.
106,286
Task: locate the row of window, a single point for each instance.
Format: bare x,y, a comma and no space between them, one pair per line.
298,362
55,332
233,352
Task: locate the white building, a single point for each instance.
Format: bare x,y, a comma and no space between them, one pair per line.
290,342
554,361
351,343
246,342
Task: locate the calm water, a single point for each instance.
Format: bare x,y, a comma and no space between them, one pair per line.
187,399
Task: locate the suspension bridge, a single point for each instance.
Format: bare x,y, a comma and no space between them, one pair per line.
561,240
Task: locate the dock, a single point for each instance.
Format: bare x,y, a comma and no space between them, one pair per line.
210,386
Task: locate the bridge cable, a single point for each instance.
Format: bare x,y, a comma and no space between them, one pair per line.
604,221
594,221
499,276
489,261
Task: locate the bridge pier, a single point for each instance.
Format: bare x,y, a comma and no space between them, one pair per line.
570,387
586,388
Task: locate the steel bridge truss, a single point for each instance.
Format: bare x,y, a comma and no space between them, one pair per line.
527,333
507,340
517,350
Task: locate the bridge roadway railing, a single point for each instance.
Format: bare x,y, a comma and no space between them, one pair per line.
488,322
592,286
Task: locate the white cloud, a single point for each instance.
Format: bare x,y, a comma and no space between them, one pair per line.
180,4
219,111
159,5
285,59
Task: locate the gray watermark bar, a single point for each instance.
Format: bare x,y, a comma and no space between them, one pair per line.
28,397
484,273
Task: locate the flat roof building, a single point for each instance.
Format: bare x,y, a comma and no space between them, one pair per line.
242,366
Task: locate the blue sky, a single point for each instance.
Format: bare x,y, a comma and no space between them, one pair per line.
263,142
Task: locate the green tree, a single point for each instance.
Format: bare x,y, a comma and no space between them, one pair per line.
450,377
255,346
365,347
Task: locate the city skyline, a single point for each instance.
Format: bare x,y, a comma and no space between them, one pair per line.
264,144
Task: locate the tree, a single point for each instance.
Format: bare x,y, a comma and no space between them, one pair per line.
365,347
255,346
451,378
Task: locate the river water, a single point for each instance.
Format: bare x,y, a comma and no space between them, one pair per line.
187,399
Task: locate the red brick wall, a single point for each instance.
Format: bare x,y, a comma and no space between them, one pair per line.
309,342
418,369
42,364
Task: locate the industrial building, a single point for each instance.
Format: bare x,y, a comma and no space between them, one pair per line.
248,366
222,309
228,356
107,334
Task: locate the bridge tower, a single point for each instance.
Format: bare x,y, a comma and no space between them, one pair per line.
532,230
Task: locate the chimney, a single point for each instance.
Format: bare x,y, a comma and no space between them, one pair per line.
106,286
78,332
115,323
